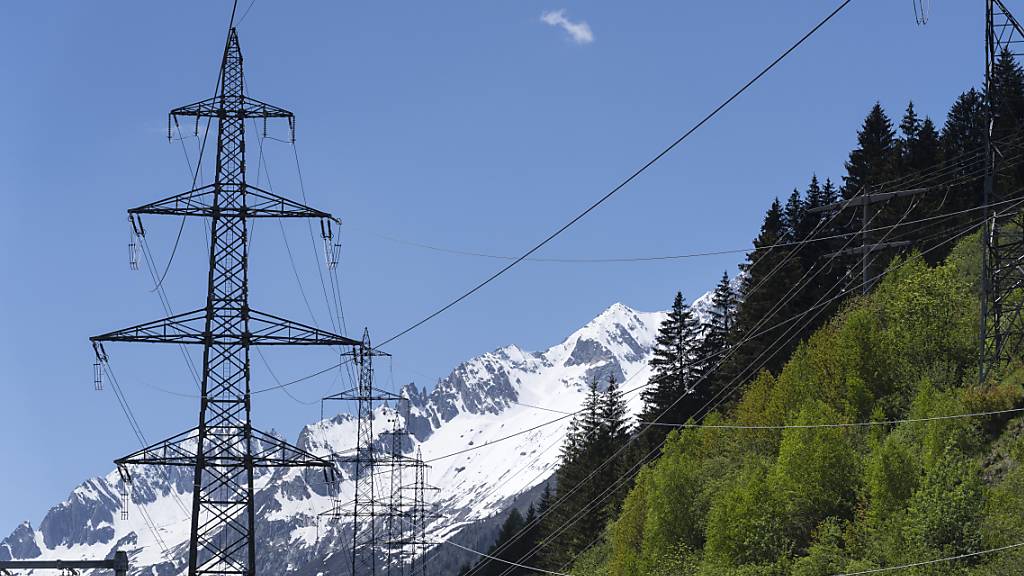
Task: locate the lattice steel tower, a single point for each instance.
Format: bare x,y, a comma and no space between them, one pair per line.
1002,309
367,505
224,449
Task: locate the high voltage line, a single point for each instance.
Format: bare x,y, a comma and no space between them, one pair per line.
707,408
562,498
670,257
633,470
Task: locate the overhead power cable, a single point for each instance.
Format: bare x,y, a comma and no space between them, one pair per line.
625,182
562,498
688,255
633,470
503,561
935,561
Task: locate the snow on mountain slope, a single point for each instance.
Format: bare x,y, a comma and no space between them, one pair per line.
503,415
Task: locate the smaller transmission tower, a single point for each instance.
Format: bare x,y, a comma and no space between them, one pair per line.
393,521
419,516
366,506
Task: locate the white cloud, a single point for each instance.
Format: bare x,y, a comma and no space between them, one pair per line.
580,32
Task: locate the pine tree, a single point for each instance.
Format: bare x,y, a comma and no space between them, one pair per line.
578,489
814,200
613,438
674,370
874,162
793,218
875,158
592,461
1007,101
963,147
921,153
718,335
910,126
1007,97
506,547
766,298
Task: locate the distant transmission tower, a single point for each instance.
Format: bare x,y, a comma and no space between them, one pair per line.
394,523
1002,321
419,516
224,449
367,506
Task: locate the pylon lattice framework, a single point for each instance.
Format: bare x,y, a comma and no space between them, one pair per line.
224,449
367,507
385,522
1002,310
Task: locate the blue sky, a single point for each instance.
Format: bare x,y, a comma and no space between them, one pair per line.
465,125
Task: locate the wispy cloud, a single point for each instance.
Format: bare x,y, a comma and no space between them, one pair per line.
580,32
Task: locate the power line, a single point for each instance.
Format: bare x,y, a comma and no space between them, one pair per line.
502,560
935,561
625,182
562,498
635,468
670,257
922,175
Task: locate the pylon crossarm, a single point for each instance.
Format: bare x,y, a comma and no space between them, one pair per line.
234,107
178,450
259,203
269,330
272,452
185,328
189,328
376,395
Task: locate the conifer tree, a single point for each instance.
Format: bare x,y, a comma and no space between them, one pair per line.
578,489
874,162
963,147
765,299
1007,97
921,154
814,199
793,217
875,158
613,438
674,370
505,547
717,335
592,460
1007,101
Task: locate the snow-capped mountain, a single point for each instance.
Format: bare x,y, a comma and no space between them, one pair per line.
491,431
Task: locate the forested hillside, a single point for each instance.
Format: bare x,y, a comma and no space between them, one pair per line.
728,497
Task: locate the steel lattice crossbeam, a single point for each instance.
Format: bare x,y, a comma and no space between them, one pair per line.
224,449
259,203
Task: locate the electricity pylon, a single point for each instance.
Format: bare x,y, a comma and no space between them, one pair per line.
393,521
420,515
224,449
1002,315
367,506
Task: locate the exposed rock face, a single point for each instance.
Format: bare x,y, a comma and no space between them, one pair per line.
20,544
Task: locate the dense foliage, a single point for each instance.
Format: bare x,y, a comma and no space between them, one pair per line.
818,501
